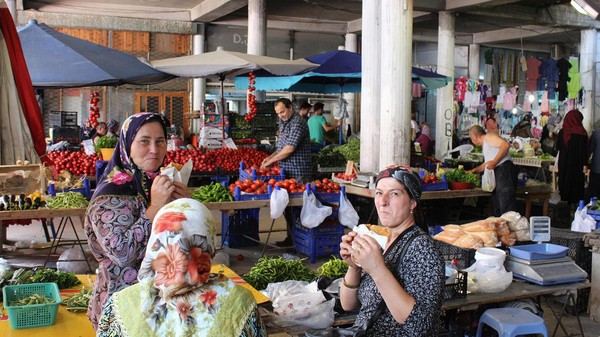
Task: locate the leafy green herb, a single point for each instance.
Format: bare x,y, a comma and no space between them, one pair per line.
350,150
461,176
106,142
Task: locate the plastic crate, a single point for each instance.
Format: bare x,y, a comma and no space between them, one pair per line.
240,229
85,190
457,289
323,169
223,180
596,216
330,226
71,134
239,196
464,257
254,176
317,246
31,316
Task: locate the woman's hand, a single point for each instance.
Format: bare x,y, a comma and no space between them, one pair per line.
367,252
181,191
346,248
161,191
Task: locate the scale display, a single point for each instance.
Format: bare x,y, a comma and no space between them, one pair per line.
546,272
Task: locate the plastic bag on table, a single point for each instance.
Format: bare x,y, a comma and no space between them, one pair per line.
484,278
299,303
313,212
583,222
347,214
73,260
279,201
488,180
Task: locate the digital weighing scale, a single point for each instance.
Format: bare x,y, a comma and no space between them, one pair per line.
538,263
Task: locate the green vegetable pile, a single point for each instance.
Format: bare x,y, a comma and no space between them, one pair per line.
31,300
516,154
78,302
350,150
328,157
477,149
334,268
213,192
277,269
67,200
461,176
545,156
64,280
106,142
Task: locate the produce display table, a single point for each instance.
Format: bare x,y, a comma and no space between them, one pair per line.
69,324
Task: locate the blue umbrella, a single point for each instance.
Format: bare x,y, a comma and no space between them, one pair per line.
57,60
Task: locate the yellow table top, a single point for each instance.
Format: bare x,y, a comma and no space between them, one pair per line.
69,324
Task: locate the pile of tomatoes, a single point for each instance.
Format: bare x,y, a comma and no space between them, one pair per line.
347,177
270,171
429,178
76,162
261,187
327,186
226,159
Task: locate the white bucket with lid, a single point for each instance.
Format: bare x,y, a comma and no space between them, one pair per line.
490,256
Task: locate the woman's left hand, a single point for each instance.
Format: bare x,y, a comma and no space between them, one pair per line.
181,191
367,252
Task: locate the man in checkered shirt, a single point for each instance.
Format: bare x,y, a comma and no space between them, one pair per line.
293,153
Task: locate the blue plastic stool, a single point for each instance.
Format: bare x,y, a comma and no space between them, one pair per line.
509,322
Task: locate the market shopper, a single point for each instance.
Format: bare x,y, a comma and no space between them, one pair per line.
101,130
523,128
305,110
113,128
408,276
177,295
425,141
128,196
571,144
491,125
594,167
317,124
496,157
293,153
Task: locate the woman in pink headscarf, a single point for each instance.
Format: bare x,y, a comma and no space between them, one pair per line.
425,140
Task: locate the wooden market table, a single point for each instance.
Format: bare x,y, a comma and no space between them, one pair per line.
70,324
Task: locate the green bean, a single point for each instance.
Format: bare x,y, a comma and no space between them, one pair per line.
78,302
32,300
270,270
68,200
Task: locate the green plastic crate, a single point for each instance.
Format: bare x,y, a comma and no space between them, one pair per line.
31,316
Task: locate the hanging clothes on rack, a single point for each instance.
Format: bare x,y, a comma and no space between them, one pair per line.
563,66
550,73
533,73
510,98
526,102
545,106
461,88
574,84
500,97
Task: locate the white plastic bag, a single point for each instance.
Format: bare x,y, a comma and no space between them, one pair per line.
279,201
583,222
484,278
347,214
299,303
488,180
313,212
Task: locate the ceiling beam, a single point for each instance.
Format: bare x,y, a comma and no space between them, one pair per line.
335,28
355,26
458,5
432,36
428,5
527,46
509,34
210,10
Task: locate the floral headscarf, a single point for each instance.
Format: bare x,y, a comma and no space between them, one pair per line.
406,177
175,272
426,131
122,176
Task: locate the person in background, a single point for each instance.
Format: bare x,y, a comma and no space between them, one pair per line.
408,275
523,128
113,128
425,140
305,110
177,295
491,125
317,124
101,130
571,145
87,131
293,152
126,200
414,127
594,167
496,157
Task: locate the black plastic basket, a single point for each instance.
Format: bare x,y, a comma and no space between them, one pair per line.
581,254
464,257
457,289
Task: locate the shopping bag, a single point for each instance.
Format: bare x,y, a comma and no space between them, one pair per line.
583,222
347,214
488,181
313,212
279,201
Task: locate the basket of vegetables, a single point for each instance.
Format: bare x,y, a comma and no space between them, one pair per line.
459,179
31,305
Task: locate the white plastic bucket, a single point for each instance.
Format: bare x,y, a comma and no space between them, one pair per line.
490,256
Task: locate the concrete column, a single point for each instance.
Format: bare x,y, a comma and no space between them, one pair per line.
444,120
257,34
474,57
396,82
12,8
351,44
199,84
369,104
586,69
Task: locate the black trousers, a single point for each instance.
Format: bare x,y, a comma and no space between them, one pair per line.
504,196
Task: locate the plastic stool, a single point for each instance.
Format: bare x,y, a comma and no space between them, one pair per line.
509,322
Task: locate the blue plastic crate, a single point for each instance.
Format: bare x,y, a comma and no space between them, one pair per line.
239,196
330,225
223,180
254,176
437,186
85,190
240,229
317,246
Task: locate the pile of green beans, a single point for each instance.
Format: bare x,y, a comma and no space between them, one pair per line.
67,200
213,192
31,300
277,269
78,302
334,268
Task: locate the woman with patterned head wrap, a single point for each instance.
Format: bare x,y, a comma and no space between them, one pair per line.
120,214
177,295
407,277
572,157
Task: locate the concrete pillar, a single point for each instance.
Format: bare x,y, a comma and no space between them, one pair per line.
586,69
199,84
444,120
474,57
257,34
12,8
351,44
396,82
369,104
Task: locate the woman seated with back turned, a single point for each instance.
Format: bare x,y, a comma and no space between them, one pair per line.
407,278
